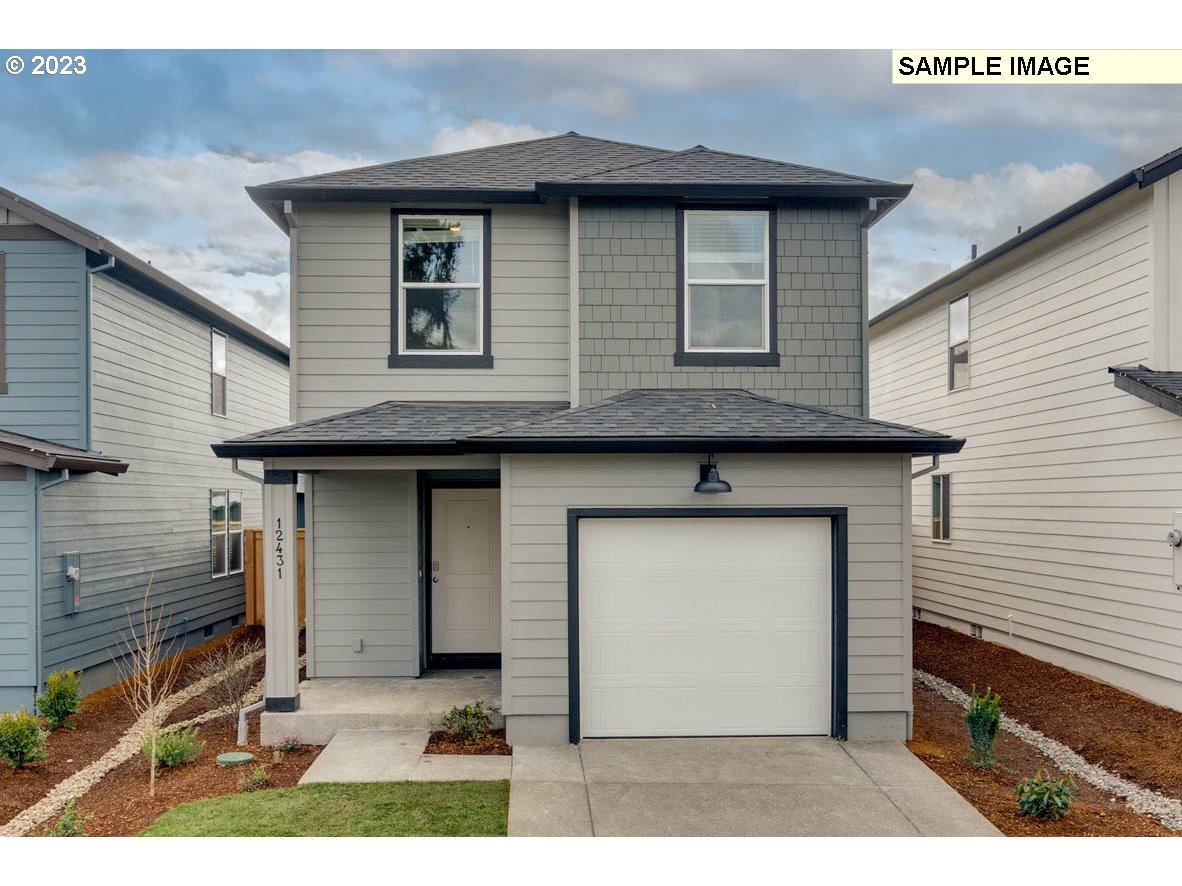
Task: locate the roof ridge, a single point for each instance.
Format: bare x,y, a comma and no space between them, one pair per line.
562,413
877,181
667,156
312,422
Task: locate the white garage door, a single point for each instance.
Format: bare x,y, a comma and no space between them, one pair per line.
704,626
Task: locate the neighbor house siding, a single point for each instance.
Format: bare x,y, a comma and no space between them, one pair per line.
365,562
18,641
1064,493
628,305
541,488
342,335
151,407
45,334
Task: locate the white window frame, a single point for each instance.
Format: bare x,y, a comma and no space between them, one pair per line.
765,307
403,316
967,340
214,335
225,534
944,481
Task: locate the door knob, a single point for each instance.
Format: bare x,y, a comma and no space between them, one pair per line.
435,579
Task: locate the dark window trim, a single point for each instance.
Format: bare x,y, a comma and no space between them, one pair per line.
839,571
682,357
443,360
429,660
3,325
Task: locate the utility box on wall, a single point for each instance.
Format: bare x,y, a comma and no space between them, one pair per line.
73,584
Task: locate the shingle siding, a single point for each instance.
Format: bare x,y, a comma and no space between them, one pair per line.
628,305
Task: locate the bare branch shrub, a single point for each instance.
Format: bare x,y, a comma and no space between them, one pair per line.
229,692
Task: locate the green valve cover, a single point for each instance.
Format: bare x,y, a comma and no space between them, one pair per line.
235,758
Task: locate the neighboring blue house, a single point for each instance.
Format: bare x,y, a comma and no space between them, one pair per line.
114,380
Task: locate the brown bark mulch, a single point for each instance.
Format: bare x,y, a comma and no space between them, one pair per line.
1127,735
119,805
103,719
941,741
444,742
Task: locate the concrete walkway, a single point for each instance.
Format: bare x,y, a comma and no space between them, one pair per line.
733,787
364,755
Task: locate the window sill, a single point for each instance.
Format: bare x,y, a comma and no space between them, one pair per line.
440,361
941,541
694,358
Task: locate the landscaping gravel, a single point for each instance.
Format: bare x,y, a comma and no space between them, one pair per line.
1154,804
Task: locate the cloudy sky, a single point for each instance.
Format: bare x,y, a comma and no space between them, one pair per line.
153,149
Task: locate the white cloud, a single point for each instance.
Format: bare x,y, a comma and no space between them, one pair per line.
190,217
481,134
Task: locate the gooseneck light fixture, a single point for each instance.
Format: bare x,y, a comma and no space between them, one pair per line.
708,479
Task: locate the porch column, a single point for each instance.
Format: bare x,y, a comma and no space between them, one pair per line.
280,591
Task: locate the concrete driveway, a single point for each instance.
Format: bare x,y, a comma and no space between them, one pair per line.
733,787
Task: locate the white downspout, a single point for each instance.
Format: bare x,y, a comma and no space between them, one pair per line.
293,243
241,473
573,272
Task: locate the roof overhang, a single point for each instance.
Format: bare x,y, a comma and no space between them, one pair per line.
722,190
42,460
1123,381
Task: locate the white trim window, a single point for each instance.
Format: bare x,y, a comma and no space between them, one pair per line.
958,343
226,535
441,284
218,349
941,507
727,260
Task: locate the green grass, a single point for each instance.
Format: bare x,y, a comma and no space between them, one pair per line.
388,809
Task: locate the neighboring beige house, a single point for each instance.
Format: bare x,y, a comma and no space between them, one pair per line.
591,413
1058,356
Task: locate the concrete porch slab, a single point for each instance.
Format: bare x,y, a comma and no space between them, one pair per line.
331,704
462,767
547,763
368,755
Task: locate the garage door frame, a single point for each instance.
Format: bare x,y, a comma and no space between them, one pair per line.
839,527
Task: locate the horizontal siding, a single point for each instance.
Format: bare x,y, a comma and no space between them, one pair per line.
364,559
44,336
150,394
541,488
343,312
1065,491
18,649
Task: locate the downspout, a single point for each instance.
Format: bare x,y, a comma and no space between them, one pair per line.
573,273
38,581
864,229
293,245
88,437
935,465
241,473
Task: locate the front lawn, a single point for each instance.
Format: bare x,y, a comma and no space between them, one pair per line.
387,809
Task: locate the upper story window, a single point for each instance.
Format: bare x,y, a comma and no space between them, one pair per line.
217,372
441,306
726,290
958,343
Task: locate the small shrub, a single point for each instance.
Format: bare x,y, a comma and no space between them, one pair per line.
289,742
254,779
472,722
983,718
71,824
22,740
232,677
1040,796
174,748
61,699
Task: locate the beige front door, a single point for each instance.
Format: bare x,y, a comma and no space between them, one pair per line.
465,571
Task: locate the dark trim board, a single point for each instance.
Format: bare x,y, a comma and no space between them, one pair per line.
428,660
839,571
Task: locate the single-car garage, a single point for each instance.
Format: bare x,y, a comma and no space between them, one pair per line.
698,623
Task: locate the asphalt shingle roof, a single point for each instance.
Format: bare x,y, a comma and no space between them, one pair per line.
667,420
1160,388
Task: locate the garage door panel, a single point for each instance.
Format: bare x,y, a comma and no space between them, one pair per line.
675,642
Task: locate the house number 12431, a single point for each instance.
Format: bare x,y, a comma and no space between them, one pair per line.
279,547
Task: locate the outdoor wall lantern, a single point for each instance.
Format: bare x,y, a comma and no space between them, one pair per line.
708,479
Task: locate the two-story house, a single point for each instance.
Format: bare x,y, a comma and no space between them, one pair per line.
1058,354
592,413
114,379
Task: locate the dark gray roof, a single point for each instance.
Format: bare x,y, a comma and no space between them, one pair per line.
1162,389
570,165
33,452
637,421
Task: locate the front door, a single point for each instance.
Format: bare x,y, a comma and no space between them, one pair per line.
465,572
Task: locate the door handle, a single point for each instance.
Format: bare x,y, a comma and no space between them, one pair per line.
435,579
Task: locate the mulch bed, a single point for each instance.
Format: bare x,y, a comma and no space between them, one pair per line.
103,719
444,742
119,805
941,741
1127,735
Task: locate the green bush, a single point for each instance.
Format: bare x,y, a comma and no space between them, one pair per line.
984,719
61,699
174,748
472,722
71,824
22,740
253,779
1041,797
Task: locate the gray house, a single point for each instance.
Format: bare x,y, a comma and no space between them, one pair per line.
114,378
592,414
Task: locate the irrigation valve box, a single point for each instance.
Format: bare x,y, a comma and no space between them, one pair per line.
73,588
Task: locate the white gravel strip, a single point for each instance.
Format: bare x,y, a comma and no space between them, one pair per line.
1164,809
128,746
